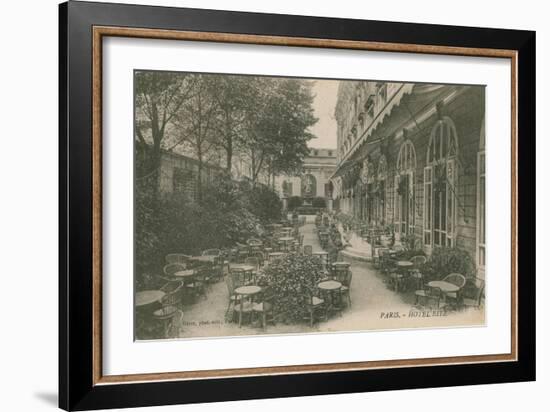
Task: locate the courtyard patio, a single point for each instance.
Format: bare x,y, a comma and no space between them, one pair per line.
226,306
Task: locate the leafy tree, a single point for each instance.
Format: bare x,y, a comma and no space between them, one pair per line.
194,125
158,98
276,132
233,97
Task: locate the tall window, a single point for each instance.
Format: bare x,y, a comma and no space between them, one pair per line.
404,189
480,226
440,188
381,192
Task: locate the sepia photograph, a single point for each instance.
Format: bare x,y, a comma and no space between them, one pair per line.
281,205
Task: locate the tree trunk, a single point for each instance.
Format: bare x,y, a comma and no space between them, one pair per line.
199,176
229,159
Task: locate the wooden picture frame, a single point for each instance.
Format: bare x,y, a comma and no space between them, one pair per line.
82,27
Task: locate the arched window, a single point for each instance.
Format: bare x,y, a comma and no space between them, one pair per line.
440,178
480,221
404,189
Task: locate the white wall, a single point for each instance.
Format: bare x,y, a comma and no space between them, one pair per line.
28,218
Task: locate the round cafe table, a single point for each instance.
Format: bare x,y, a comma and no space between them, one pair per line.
204,259
330,288
341,264
329,285
446,287
146,297
285,242
185,274
246,291
247,269
323,256
242,266
274,255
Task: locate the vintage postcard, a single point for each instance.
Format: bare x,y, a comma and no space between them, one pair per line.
273,205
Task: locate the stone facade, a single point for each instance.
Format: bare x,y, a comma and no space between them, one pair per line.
412,156
314,181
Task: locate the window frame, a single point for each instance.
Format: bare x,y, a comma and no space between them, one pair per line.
444,128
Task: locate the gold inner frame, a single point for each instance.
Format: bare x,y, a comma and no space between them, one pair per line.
101,31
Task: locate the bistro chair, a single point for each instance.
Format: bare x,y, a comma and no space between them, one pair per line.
339,272
242,252
427,295
254,242
308,250
177,258
259,256
170,308
455,298
216,270
313,305
234,299
170,269
211,252
238,276
474,293
267,251
253,261
264,307
196,286
387,263
416,273
345,290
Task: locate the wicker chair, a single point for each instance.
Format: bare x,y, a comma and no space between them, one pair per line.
429,294
376,256
416,273
308,250
177,258
211,252
234,299
253,261
313,304
238,276
170,269
196,286
171,303
345,290
386,263
454,299
474,294
264,306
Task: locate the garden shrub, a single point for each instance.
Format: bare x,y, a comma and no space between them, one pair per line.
289,278
173,223
446,260
319,202
294,202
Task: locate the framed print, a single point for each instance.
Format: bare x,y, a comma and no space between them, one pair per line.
257,205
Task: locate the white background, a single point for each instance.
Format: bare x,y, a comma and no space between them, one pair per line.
122,356
28,218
